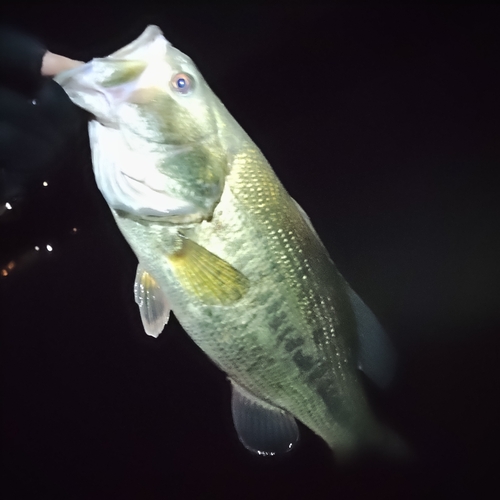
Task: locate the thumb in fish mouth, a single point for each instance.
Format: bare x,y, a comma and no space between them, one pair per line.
53,64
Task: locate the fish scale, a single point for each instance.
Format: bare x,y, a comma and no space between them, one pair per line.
222,244
239,346
288,237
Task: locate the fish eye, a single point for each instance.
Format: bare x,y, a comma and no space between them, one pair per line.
182,83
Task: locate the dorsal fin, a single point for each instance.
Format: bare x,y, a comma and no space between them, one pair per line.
376,356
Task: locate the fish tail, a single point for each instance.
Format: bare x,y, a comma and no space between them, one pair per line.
381,442
390,445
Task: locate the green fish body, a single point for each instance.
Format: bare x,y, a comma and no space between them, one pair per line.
222,244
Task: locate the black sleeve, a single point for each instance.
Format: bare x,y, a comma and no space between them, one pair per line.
38,121
20,60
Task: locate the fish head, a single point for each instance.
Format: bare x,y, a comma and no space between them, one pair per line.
156,137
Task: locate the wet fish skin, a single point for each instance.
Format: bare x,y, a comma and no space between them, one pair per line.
234,256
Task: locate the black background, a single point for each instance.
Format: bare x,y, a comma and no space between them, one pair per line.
384,124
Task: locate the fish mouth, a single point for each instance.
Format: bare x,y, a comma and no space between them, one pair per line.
148,36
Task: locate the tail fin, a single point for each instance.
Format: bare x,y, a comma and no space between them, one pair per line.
379,442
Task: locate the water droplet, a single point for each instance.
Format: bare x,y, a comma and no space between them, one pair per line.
49,248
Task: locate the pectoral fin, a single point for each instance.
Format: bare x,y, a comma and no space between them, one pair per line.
376,357
261,427
152,302
212,280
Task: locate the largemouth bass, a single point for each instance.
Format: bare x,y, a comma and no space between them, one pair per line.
222,244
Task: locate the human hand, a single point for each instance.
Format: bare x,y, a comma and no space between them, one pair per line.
53,64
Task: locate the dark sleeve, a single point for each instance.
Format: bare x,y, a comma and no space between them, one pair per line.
38,122
20,60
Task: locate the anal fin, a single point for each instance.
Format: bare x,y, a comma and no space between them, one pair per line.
262,428
152,302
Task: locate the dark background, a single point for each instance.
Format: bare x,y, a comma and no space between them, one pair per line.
384,124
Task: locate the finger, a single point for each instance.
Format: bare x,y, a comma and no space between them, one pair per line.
53,64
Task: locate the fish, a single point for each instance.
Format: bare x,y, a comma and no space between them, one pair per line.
222,245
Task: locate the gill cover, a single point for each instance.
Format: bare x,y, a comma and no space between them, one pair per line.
155,150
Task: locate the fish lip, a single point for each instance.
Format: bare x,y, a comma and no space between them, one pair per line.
148,35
